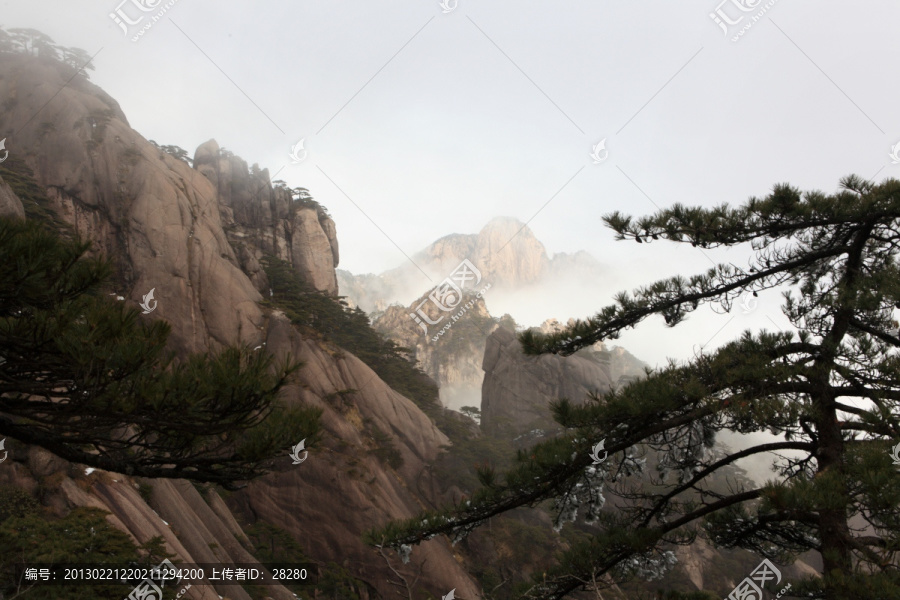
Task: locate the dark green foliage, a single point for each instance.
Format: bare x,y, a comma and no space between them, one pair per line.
146,491
16,502
19,176
271,544
385,450
472,412
83,536
79,370
468,457
330,318
318,313
831,392
337,583
178,152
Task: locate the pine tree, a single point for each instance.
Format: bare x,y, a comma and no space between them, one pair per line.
831,392
86,378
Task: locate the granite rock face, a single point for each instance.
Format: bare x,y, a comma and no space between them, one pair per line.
195,236
10,205
270,219
452,357
518,389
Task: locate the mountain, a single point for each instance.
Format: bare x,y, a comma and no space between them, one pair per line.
507,259
197,237
204,236
505,252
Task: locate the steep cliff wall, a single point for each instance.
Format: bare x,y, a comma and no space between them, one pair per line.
261,218
452,357
164,225
518,389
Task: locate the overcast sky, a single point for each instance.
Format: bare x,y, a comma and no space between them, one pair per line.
419,123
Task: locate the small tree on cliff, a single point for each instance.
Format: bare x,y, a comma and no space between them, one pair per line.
83,377
831,392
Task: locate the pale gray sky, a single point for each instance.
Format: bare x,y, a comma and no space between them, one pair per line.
428,123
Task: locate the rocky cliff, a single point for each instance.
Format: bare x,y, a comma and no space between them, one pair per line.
195,236
452,357
260,218
508,257
10,205
518,389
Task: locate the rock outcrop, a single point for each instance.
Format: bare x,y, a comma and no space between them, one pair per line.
623,366
451,356
195,235
518,389
269,219
10,205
